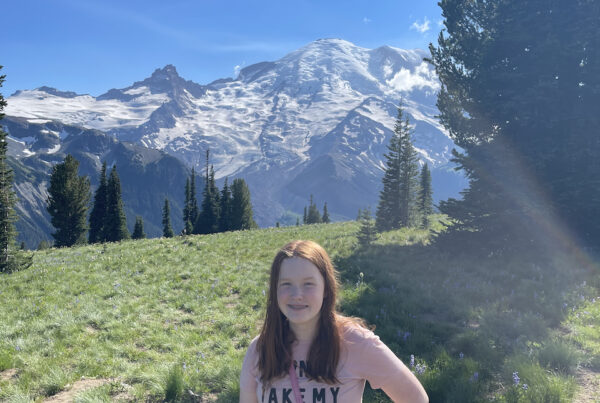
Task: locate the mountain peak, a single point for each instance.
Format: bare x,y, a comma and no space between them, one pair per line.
169,72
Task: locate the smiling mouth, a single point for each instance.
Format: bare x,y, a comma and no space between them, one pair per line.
297,307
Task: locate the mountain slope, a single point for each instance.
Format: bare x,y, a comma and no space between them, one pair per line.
327,101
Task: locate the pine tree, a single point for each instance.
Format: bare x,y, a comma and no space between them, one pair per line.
116,223
297,221
194,211
166,220
10,259
519,95
326,218
208,219
409,178
359,215
313,216
304,217
425,200
98,214
225,209
69,195
388,208
241,206
187,222
367,233
138,229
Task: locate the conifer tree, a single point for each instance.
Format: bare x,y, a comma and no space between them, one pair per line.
367,233
425,200
166,220
208,219
69,195
116,223
98,214
241,206
397,200
313,215
297,221
187,222
10,258
194,211
138,229
304,217
359,215
225,208
519,95
409,178
326,218
388,208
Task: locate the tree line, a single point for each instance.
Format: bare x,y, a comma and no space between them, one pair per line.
69,197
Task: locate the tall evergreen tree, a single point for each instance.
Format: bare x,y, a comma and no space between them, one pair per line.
10,258
305,216
425,200
187,221
396,207
208,219
409,178
313,216
241,206
194,210
116,223
520,89
98,214
367,233
166,220
326,218
225,208
69,195
138,229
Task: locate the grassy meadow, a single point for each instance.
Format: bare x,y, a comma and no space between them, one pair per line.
170,319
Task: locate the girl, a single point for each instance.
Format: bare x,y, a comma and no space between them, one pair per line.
306,351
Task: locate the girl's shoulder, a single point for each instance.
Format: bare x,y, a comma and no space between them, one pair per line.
355,331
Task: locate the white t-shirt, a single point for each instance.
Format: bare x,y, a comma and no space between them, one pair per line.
363,357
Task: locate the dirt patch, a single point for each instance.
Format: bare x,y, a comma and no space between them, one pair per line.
589,386
67,396
8,374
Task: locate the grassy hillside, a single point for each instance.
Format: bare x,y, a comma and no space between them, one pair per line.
171,318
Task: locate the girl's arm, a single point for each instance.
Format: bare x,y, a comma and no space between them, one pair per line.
247,396
406,388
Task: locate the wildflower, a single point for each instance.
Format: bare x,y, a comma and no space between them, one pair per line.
516,378
421,368
184,366
406,335
264,293
461,355
412,360
18,348
525,387
475,376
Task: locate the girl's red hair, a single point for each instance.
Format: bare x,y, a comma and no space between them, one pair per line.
274,344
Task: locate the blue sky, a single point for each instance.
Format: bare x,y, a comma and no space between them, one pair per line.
93,46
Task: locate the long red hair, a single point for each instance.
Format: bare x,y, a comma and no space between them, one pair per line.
274,344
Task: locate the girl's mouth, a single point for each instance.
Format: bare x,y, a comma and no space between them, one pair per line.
297,307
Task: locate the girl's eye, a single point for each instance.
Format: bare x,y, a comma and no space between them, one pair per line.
309,284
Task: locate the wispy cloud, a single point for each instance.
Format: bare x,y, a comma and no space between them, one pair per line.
366,20
237,69
421,27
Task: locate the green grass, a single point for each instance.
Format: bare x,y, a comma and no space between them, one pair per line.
166,317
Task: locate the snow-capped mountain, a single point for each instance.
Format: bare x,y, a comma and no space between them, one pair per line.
316,122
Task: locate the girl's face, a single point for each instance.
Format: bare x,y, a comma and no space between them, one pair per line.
300,292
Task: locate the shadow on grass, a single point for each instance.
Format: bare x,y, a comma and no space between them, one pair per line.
462,318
